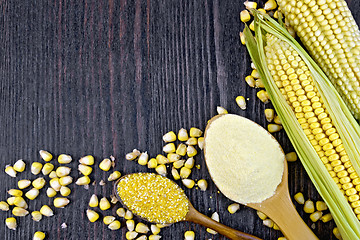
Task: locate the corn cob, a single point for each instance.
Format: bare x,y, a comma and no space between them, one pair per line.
329,32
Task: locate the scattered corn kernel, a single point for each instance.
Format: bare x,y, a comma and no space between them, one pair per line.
39,183
19,212
114,176
32,193
189,235
46,211
36,216
143,237
159,225
269,114
169,148
65,191
189,183
39,236
178,164
183,135
47,168
245,16
181,149
161,169
154,237
336,233
195,132
20,202
233,208
175,173
64,181
108,219
152,163
19,165
221,110
259,83
309,206
277,120
169,137
92,215
52,174
143,158
268,222
87,160
191,141
161,159
55,184
141,228
11,200
261,215
64,159
105,164
263,96
270,5
276,227
11,223
36,168
4,206
202,184
173,157
250,81
291,157
130,225
315,216
121,212
240,101
85,180
115,225
201,142
326,218
50,192
272,128
155,229
24,183
131,235
15,192
185,172
321,206
189,163
128,215
45,155
63,171
132,155
299,197
9,170
84,169
94,201
255,73
104,204
250,5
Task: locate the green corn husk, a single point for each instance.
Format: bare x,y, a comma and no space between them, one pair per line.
342,119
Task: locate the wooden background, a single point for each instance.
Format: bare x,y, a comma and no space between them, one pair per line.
104,77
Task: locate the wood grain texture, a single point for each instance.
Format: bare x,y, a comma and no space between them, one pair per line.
104,77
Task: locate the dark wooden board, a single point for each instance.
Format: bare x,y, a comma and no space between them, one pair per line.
104,77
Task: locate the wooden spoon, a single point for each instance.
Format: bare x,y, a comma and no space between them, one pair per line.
279,206
196,217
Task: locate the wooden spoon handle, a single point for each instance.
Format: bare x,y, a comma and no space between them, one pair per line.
196,217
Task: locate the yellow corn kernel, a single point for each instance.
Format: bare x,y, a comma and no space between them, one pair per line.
155,229
85,180
115,225
105,164
161,159
272,128
175,173
32,193
189,163
45,155
326,218
336,233
39,183
159,225
269,114
255,73
183,135
277,120
36,216
19,212
114,176
259,83
121,212
152,163
64,159
52,174
263,96
130,225
315,216
191,141
250,5
240,101
11,223
169,137
276,227
87,160
195,132
20,202
268,222
233,208
169,148
189,235
185,172
19,165
24,183
270,5
46,211
63,171
47,168
84,169
64,181
261,215
128,215
94,201
181,149
39,235
141,228
161,169
108,219
291,157
202,184
143,158
4,206
65,191
132,155
189,183
250,81
131,235
178,164
282,238
36,168
309,206
10,201
92,215
201,143
9,170
104,204
173,157
154,237
221,110
245,16
299,197
15,192
50,192
321,206
55,184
